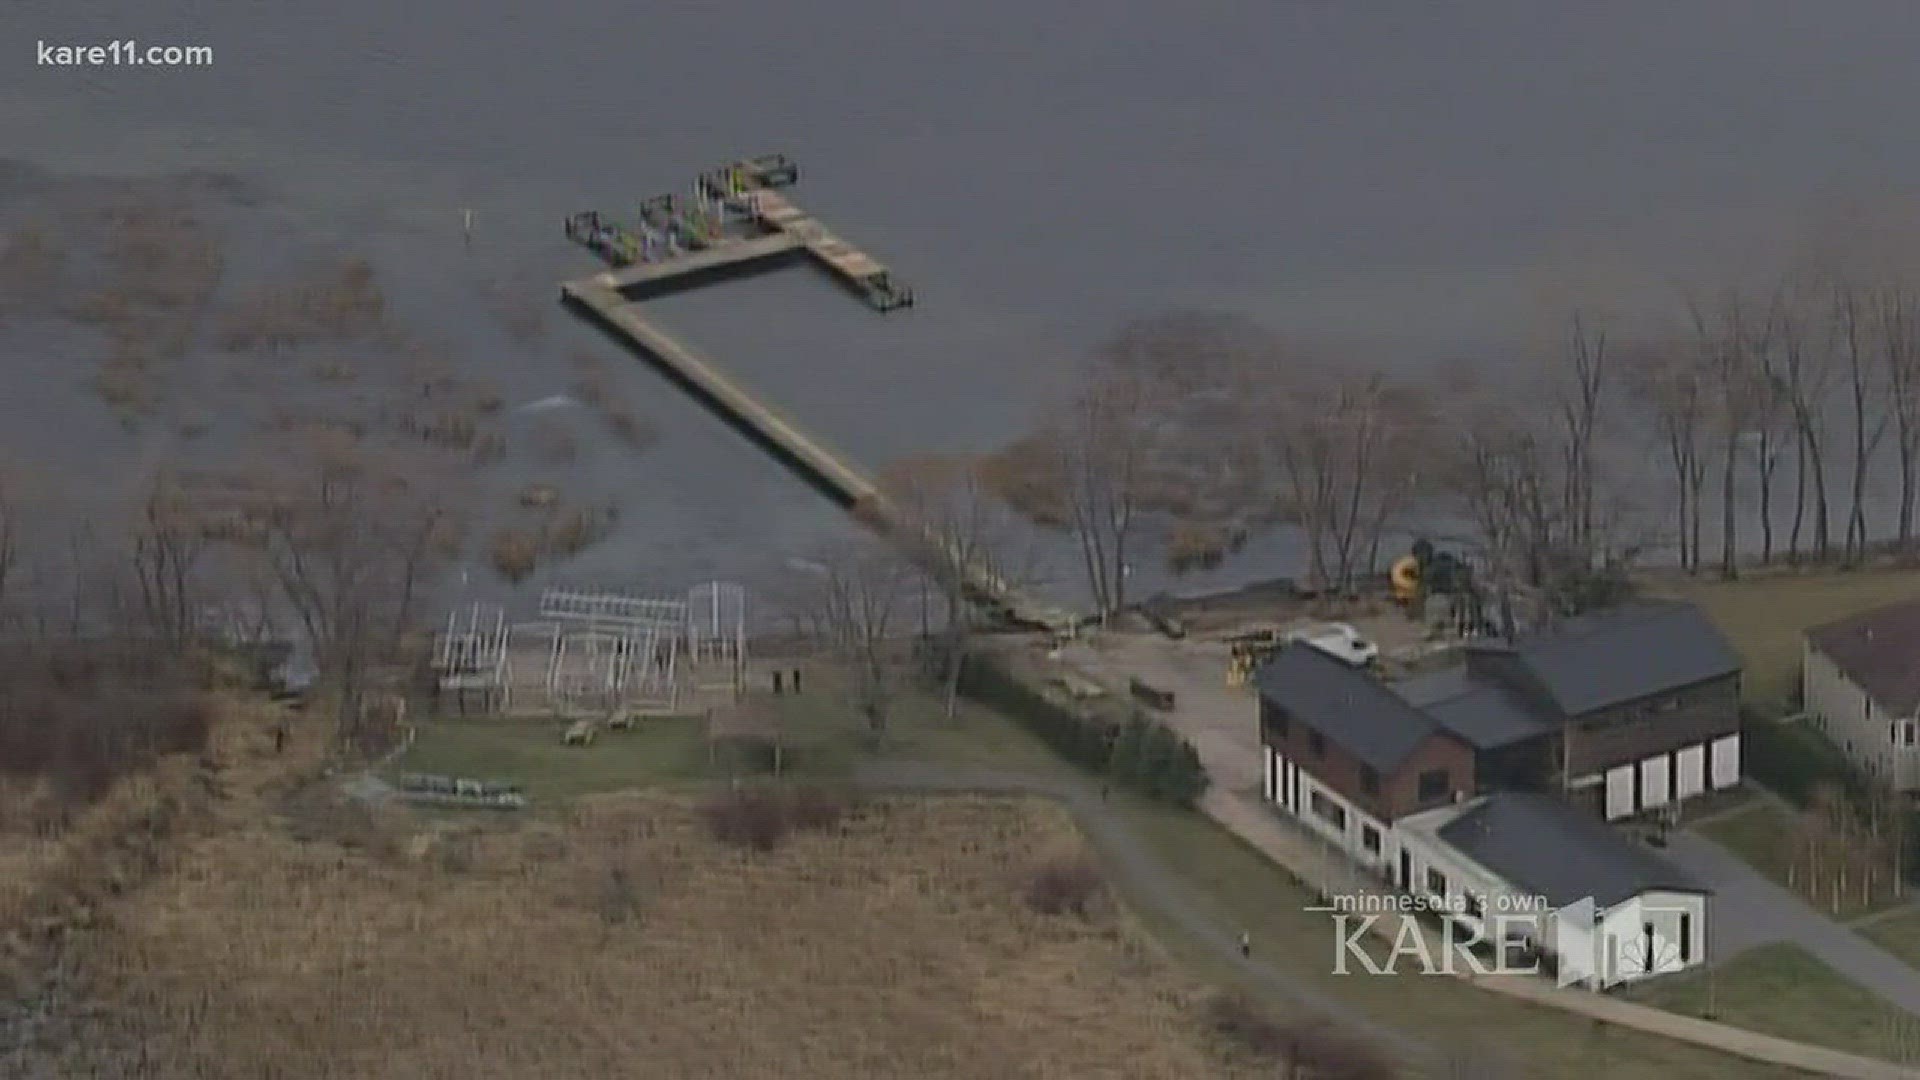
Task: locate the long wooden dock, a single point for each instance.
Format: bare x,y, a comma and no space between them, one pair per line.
607,299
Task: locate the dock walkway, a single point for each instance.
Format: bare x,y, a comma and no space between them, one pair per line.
781,229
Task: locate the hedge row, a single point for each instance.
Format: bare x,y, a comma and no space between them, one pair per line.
1793,758
1137,751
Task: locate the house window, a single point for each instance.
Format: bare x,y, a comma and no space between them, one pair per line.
1317,743
1436,882
1686,938
1907,732
1656,706
1369,780
1370,839
1433,785
1329,810
1474,907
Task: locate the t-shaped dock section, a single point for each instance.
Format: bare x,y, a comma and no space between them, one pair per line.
738,224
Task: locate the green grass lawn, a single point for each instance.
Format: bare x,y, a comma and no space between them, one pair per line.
663,750
1761,835
1898,934
1765,613
1783,990
1241,888
821,738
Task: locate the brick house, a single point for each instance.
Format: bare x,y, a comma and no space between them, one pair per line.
1348,757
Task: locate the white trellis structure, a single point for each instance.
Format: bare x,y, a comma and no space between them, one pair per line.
717,634
610,649
471,654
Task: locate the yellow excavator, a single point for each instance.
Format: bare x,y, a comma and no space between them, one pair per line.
1404,576
1425,573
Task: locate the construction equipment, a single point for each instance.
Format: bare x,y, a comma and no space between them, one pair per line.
1405,578
1246,652
1426,572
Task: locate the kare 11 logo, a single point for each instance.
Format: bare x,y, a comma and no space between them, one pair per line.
1508,935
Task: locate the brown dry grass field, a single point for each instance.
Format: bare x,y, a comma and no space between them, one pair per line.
271,934
898,945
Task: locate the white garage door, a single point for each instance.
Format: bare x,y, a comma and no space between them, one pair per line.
1690,768
1619,792
1726,762
1653,781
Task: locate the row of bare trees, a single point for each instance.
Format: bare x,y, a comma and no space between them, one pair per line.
343,544
1205,429
1847,850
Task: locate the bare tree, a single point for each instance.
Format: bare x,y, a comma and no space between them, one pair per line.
946,498
1342,444
1769,418
349,541
1806,375
1579,403
1898,316
1671,384
851,607
1853,330
168,543
1086,472
9,544
1733,344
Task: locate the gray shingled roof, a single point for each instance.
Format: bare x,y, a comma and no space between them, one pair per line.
1641,649
1343,703
1544,846
1486,715
1877,651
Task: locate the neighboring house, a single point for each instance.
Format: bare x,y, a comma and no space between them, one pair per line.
1347,756
1861,684
1525,867
1629,710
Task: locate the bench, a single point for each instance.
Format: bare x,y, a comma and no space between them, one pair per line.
1150,696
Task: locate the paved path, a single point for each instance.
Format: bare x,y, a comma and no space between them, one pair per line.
1150,880
1751,909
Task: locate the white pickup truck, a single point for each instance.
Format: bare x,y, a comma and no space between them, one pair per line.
1337,640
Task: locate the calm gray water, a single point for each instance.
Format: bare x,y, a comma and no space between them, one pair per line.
1394,182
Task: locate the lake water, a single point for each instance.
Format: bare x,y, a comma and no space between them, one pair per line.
1387,182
